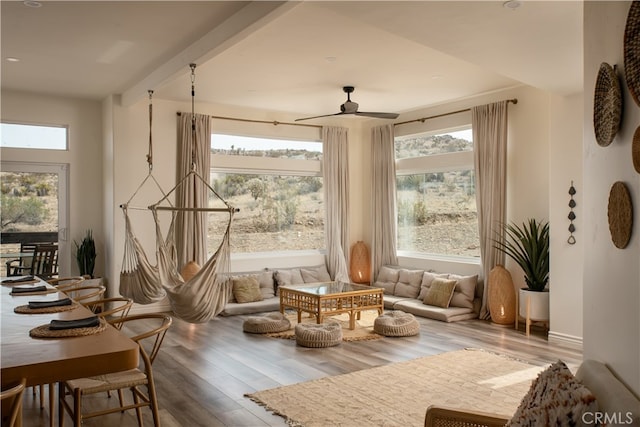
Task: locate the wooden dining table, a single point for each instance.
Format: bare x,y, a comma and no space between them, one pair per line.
51,360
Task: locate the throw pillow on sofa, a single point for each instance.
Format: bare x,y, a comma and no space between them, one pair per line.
465,290
440,292
246,289
427,279
409,282
315,274
289,277
555,398
387,279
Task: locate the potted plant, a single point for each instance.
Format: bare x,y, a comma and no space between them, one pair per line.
86,255
528,246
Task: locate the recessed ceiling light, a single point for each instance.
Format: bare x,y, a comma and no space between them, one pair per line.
512,4
32,3
330,58
12,59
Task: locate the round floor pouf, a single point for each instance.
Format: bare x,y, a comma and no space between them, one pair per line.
396,324
318,336
267,323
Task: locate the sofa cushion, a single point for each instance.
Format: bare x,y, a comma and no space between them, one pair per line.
440,292
266,305
409,282
315,274
465,290
613,396
246,289
418,308
555,398
427,278
387,279
288,277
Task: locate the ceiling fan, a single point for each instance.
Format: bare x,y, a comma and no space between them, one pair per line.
350,107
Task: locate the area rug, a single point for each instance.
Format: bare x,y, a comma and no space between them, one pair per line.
399,394
362,332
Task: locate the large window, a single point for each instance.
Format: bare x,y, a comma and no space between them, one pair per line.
277,185
436,194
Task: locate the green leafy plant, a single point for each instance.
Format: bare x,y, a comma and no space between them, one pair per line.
86,255
528,245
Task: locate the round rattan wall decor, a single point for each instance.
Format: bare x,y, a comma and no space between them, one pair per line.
632,51
607,105
620,213
635,150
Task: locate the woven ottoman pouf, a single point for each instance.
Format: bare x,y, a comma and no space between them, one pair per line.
318,336
396,324
267,323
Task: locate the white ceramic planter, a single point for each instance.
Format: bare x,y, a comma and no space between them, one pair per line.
537,302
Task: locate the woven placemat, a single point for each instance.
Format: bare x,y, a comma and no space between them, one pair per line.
43,331
632,51
607,105
620,213
635,150
24,309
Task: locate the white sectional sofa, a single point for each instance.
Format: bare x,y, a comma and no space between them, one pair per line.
405,289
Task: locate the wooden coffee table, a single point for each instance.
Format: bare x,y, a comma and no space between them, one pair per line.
331,298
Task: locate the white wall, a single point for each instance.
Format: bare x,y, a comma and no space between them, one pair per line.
84,158
611,276
565,166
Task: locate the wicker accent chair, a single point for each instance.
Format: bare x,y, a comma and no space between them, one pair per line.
12,398
438,416
155,326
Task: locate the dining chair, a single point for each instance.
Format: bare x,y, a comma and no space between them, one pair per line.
110,308
148,330
62,283
85,294
44,262
12,404
18,266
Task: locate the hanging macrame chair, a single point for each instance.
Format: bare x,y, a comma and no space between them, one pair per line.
204,295
138,277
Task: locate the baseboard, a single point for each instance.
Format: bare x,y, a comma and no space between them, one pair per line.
565,338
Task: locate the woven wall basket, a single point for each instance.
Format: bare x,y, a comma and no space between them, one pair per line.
607,105
635,150
620,213
502,296
632,51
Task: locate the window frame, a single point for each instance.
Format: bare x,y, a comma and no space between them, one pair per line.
434,163
37,125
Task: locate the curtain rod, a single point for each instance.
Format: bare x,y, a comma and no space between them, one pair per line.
514,101
274,122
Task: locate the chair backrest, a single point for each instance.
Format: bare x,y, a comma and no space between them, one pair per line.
111,308
84,294
13,395
45,261
63,283
154,327
27,248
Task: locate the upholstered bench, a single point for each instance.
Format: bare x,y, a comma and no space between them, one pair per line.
396,324
318,335
267,323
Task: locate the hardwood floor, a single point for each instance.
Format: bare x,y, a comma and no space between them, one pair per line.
204,370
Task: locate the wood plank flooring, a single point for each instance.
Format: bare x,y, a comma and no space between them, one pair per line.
204,370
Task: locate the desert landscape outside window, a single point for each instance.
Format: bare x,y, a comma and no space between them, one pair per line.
436,200
277,185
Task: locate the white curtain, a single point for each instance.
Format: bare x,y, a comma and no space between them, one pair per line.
490,150
335,154
383,198
193,152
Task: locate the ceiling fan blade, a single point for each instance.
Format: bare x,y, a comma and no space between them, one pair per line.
317,117
377,115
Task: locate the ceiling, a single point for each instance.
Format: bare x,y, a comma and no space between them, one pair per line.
291,56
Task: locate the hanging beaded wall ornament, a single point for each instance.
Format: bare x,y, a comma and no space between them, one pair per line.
572,216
